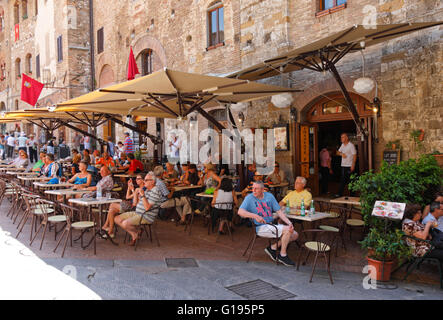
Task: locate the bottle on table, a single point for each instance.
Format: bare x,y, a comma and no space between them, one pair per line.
312,208
288,208
302,208
99,191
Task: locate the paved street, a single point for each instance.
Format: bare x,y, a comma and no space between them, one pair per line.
24,275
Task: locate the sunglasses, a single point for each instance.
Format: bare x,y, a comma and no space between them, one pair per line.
149,179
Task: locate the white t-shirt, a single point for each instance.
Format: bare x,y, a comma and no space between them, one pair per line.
349,151
22,142
11,141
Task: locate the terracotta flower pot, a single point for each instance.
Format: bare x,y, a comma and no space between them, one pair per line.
439,158
421,137
379,268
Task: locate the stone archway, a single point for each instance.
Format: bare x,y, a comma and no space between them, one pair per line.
147,42
106,76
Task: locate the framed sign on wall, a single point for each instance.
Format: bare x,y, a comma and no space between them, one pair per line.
281,136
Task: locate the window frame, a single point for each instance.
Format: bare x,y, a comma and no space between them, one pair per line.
100,40
37,66
18,67
323,12
216,7
16,14
60,48
147,62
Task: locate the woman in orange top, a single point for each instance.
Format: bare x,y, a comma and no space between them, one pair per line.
106,160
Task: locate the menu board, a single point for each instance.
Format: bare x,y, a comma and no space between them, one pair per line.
391,156
390,210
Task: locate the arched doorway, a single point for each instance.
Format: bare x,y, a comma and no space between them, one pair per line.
325,118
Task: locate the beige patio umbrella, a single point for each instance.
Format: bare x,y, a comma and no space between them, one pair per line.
315,56
169,94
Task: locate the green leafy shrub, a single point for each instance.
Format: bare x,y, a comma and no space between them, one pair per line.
411,181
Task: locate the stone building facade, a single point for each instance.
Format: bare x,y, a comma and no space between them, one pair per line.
51,46
176,35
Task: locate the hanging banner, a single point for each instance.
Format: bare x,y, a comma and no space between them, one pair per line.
17,32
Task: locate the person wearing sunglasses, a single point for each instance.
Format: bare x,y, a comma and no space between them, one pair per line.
146,210
257,178
125,206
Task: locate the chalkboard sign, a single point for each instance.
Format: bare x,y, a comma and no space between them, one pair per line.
391,156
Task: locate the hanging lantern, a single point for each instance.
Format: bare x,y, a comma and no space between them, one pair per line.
282,100
364,85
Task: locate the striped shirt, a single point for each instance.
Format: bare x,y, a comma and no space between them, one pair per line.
129,146
154,197
162,188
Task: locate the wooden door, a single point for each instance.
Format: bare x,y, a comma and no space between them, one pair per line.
307,155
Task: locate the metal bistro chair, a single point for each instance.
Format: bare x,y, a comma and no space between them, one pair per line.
321,245
352,222
190,220
46,208
142,228
414,262
220,215
83,226
339,227
254,238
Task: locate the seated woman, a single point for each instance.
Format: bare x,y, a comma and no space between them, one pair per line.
75,164
211,181
122,162
170,174
124,206
40,163
21,161
106,160
222,196
83,178
412,226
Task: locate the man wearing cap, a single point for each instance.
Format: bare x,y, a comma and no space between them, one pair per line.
128,144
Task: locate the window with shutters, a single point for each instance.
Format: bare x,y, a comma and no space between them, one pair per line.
18,72
16,14
216,26
146,60
100,40
28,68
59,49
25,9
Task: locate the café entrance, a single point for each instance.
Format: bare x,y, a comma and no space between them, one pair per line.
324,120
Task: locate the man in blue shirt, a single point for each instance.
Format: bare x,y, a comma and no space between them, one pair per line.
436,211
260,206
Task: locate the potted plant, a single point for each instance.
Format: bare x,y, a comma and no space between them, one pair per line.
438,156
385,247
411,181
393,145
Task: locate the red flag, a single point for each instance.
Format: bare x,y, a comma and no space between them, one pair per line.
17,32
31,90
132,66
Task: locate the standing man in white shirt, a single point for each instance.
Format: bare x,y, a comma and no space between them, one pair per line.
348,155
10,145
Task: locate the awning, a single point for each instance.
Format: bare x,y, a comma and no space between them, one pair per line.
314,56
169,94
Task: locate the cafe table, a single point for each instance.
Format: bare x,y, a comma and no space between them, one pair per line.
96,202
353,201
23,174
205,195
43,185
31,179
15,169
65,193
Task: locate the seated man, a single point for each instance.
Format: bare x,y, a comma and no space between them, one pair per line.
277,176
438,197
52,168
170,174
106,184
300,193
257,177
150,198
261,206
135,166
436,211
95,156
